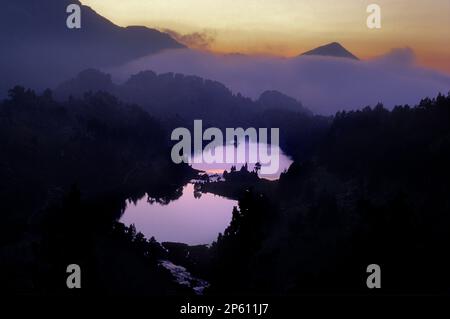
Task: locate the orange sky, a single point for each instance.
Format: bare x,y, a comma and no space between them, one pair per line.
289,27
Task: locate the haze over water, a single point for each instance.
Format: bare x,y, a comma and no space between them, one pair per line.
250,151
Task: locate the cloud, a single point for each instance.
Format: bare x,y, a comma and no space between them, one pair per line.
398,57
323,84
195,40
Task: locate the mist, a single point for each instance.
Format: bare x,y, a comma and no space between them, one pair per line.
323,84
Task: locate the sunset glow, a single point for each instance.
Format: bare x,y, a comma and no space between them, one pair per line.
289,27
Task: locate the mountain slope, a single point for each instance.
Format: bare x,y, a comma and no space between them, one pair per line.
333,49
187,98
37,41
277,100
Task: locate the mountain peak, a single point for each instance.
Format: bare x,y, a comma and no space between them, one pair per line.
333,49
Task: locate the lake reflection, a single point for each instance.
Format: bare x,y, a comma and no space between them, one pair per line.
187,220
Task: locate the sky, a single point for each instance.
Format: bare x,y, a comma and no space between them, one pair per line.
290,27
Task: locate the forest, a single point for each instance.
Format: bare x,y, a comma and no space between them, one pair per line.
366,186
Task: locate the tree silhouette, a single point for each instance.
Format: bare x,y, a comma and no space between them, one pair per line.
257,167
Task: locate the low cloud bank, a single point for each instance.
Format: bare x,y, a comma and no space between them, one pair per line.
323,84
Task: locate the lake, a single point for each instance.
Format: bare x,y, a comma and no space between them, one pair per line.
188,219
245,152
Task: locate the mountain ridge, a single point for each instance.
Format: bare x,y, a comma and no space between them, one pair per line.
37,41
166,94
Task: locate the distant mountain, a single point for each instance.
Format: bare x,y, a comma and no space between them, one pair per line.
170,95
333,49
163,95
90,80
38,49
277,100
